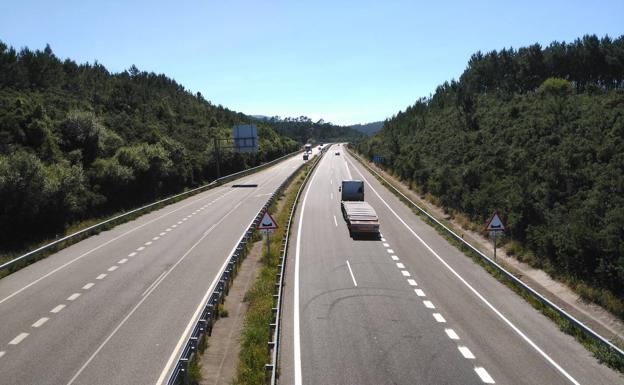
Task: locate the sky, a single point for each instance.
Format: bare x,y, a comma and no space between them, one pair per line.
346,62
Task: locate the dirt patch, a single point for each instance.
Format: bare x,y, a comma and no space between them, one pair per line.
592,315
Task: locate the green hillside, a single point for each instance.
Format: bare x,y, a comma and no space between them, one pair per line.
537,134
77,142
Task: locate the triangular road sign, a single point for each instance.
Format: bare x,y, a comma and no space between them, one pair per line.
267,222
495,223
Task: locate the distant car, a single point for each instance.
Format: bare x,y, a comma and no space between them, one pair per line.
319,147
305,156
337,153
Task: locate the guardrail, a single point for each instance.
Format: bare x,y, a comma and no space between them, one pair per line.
206,319
94,228
587,330
274,327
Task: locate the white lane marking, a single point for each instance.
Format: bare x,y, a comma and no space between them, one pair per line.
351,272
394,257
40,322
419,292
400,265
82,368
161,276
331,196
58,308
348,171
390,251
113,268
386,244
168,229
184,219
97,248
148,243
438,317
174,226
405,273
18,339
296,322
2,354
383,239
412,282
155,238
428,304
476,293
331,181
88,286
141,248
451,334
132,254
122,261
335,221
466,353
73,296
484,375
101,276
179,222
163,233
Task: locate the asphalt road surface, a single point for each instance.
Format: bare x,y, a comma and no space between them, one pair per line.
408,308
114,308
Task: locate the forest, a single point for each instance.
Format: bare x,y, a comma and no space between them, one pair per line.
79,142
303,129
537,134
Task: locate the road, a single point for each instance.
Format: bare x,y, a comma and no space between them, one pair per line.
408,308
113,309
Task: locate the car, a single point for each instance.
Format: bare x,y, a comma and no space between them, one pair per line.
337,153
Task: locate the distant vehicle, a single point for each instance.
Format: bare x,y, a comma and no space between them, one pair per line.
308,147
305,156
320,147
337,153
360,216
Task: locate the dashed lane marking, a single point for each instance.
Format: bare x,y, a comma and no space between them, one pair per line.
390,251
451,334
335,221
351,272
73,296
168,229
132,254
88,286
101,276
405,273
400,265
428,304
58,308
113,268
155,238
466,353
40,322
2,354
484,375
386,244
122,261
148,243
438,317
141,248
394,257
383,239
419,292
18,339
162,234
412,282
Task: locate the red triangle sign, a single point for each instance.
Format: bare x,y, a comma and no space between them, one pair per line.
267,222
495,223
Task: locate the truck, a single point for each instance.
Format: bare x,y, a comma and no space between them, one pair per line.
307,147
360,216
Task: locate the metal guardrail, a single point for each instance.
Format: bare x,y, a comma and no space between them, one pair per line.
274,327
587,330
205,321
32,254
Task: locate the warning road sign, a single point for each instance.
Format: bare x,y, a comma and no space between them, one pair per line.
267,222
495,224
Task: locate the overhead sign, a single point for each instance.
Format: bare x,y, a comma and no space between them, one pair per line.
267,222
495,224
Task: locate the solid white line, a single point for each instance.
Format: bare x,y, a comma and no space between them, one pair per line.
18,339
164,373
475,292
113,268
335,221
73,296
400,265
296,322
101,276
394,257
438,317
88,286
405,273
40,322
141,248
132,254
428,304
484,375
412,282
419,292
122,261
161,276
466,353
58,308
451,334
351,272
95,249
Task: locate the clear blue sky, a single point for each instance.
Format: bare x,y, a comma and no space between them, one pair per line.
344,61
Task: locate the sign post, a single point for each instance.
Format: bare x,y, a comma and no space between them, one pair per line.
267,224
495,226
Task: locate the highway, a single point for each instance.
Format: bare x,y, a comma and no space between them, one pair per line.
408,308
114,308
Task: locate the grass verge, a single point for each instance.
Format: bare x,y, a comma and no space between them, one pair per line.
602,353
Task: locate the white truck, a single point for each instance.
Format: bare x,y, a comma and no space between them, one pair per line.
360,216
307,147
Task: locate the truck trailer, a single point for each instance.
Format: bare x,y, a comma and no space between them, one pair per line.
360,216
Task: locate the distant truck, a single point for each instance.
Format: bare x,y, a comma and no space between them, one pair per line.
360,216
308,147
